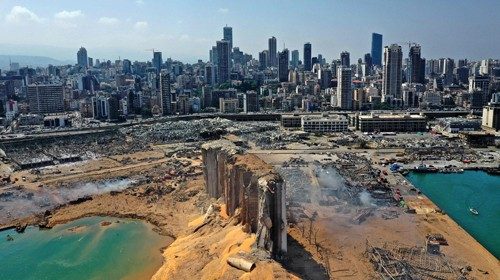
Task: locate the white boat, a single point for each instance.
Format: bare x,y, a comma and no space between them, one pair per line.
473,211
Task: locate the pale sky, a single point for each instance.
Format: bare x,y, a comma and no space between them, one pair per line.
187,29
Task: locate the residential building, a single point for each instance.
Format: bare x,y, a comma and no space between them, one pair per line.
273,60
165,95
392,80
46,99
344,88
82,58
283,58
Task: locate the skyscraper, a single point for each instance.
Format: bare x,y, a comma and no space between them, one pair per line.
228,36
344,90
391,81
165,98
345,59
82,57
127,66
213,55
283,65
307,56
368,64
223,61
448,67
416,69
157,61
295,58
210,76
263,56
272,61
377,49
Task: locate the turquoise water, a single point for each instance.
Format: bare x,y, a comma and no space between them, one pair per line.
456,193
83,249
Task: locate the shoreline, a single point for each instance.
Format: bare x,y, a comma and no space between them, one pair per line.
441,211
93,224
42,222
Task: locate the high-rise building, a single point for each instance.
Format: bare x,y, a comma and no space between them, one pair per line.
82,57
325,77
223,61
272,61
295,58
213,55
228,36
377,49
250,102
127,66
284,58
307,57
165,96
345,59
448,69
157,61
480,85
105,107
263,56
320,59
368,64
45,99
344,88
392,80
416,71
210,74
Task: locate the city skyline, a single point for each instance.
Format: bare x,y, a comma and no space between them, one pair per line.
190,29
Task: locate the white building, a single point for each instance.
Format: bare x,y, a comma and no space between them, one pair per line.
325,123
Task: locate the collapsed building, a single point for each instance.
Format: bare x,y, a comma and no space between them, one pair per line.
250,189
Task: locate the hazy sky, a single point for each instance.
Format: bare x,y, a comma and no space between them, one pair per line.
186,29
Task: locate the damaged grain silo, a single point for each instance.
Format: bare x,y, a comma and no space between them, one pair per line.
245,181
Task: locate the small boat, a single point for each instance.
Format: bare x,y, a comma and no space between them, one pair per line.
473,211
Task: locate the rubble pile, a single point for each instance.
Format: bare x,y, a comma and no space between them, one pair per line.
299,161
275,139
359,175
194,130
440,153
392,261
298,184
65,149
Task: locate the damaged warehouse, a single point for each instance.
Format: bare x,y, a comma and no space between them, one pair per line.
247,183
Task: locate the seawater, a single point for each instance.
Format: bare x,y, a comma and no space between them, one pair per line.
83,249
457,192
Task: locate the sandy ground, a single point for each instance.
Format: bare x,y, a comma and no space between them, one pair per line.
169,203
